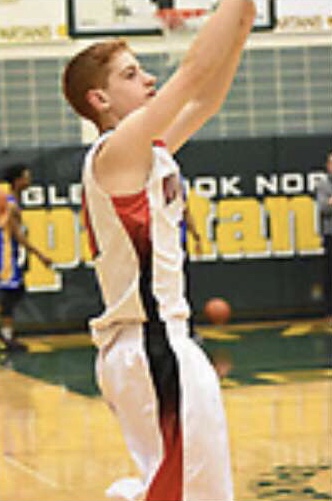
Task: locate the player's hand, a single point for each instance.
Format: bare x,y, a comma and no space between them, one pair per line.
46,261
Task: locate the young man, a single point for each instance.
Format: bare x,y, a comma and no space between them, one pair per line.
11,237
161,385
324,201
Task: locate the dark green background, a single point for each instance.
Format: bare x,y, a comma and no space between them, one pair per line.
256,288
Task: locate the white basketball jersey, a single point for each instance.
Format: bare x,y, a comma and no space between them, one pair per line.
130,293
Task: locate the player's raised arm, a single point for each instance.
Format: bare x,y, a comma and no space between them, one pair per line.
209,52
210,97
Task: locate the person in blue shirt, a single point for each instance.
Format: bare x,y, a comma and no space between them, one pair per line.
12,236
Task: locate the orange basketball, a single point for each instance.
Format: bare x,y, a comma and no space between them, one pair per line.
217,310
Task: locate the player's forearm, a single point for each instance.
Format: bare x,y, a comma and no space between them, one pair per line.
214,92
227,27
24,242
31,249
21,238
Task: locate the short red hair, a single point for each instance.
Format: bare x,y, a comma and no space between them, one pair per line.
87,70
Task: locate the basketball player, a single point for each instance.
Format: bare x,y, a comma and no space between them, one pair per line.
161,385
11,237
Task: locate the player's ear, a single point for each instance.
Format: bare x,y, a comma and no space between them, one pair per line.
98,99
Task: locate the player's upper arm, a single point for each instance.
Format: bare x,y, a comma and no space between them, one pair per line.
14,219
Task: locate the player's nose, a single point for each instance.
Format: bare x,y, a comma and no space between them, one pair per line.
149,78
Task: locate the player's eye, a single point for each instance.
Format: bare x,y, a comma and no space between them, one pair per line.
131,73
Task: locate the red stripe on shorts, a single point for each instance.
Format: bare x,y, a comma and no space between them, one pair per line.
167,483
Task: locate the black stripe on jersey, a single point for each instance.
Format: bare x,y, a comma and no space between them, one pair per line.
162,360
164,371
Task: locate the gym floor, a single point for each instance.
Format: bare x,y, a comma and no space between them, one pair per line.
59,441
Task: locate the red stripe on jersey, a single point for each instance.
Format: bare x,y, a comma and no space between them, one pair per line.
87,223
159,142
134,212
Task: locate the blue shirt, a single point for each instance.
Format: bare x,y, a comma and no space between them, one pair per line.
11,274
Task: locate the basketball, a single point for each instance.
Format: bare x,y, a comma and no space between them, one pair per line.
217,311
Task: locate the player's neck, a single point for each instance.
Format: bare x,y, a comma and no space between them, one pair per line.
105,129
107,123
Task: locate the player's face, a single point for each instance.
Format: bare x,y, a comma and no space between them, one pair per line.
129,86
